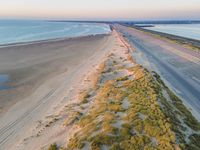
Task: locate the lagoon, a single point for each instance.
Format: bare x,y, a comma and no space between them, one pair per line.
191,31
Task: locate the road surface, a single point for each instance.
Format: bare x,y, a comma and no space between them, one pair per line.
178,66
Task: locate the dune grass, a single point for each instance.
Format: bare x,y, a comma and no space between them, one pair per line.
179,117
52,147
151,121
140,123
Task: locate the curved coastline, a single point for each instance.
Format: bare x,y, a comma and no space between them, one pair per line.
35,62
49,40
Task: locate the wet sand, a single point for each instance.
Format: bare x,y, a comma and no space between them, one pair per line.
28,66
42,74
49,77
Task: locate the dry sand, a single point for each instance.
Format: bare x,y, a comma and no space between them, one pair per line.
44,77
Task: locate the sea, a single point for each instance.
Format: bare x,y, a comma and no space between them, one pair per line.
191,31
17,31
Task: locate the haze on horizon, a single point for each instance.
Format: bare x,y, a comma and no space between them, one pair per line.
100,9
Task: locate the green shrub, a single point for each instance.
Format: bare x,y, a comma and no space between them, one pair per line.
53,147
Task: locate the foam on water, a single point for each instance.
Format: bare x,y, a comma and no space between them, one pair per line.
25,31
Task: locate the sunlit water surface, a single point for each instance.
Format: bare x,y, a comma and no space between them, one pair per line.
16,31
184,30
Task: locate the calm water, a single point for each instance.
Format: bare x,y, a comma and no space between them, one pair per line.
3,79
185,30
24,31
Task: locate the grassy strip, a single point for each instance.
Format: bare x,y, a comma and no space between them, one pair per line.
142,125
180,118
149,120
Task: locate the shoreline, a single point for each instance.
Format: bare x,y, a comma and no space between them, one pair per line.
48,40
49,75
96,96
31,72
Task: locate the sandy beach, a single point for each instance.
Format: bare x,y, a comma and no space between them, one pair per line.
30,65
42,74
99,75
88,93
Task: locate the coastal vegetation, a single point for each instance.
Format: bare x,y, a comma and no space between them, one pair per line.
130,108
52,147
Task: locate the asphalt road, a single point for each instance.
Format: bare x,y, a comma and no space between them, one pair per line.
181,74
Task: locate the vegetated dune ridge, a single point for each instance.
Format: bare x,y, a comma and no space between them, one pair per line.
106,101
43,77
126,107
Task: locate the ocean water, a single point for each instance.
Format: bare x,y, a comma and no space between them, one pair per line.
15,31
184,30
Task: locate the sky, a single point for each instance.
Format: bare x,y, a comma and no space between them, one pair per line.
100,9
